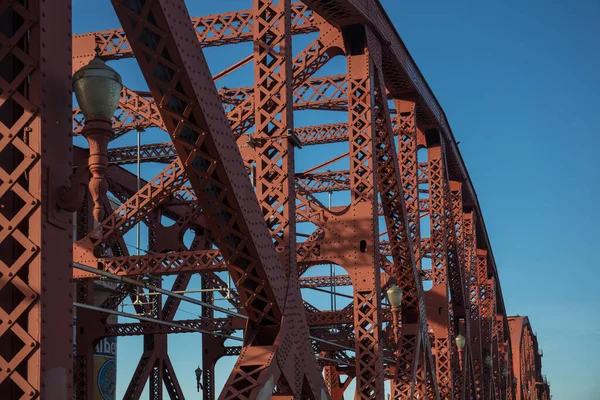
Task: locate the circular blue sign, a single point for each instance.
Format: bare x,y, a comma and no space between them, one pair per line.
107,380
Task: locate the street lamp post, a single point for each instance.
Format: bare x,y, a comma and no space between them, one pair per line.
489,362
394,295
198,372
98,89
505,384
460,343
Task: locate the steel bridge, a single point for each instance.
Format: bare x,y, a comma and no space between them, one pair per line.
412,223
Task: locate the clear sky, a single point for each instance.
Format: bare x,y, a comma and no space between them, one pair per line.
519,83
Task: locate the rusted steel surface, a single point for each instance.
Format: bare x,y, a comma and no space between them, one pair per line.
229,183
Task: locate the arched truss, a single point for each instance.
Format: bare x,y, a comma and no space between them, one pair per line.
404,166
529,382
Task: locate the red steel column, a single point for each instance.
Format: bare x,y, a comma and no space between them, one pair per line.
499,355
86,332
36,314
275,177
212,347
527,361
474,300
437,297
212,351
456,233
516,337
411,377
363,207
332,381
486,294
273,99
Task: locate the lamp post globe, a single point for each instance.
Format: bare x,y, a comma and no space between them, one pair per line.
394,295
460,341
97,88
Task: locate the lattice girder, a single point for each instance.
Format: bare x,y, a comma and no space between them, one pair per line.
36,325
437,299
211,30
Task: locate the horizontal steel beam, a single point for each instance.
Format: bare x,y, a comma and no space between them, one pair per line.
211,30
129,329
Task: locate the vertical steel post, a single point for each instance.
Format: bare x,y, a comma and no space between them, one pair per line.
486,314
138,176
409,379
363,188
36,356
275,174
331,266
474,300
437,297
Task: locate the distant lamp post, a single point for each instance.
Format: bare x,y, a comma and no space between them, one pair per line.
199,378
460,343
394,296
98,89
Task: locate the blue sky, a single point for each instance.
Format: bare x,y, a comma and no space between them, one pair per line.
519,83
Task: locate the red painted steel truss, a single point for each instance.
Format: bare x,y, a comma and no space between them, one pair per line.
229,180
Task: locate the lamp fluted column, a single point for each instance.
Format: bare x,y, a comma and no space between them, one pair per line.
98,132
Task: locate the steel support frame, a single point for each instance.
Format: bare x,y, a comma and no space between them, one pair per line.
363,207
529,383
203,152
36,312
437,299
169,43
410,374
472,271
